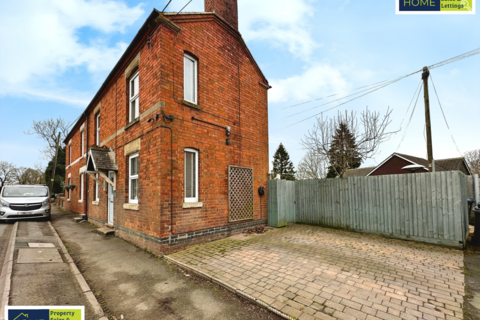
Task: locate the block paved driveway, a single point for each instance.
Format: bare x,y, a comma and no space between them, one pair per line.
310,272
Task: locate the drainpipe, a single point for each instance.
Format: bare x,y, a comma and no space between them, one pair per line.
171,180
86,175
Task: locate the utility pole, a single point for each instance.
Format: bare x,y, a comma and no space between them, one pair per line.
55,162
428,125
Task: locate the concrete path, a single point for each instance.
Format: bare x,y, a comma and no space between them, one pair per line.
41,275
132,283
472,280
5,233
5,230
316,273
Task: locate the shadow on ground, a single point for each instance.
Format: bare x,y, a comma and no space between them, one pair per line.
131,282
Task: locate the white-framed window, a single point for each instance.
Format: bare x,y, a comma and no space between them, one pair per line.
69,190
81,187
133,178
190,79
134,91
191,175
97,196
97,125
83,143
70,154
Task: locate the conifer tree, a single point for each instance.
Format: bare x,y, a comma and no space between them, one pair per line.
343,152
282,164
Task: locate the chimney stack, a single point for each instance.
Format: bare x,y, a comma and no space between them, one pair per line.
227,9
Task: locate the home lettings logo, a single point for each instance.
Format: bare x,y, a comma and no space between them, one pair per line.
23,316
435,6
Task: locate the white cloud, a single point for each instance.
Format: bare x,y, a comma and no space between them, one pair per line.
40,41
280,23
317,80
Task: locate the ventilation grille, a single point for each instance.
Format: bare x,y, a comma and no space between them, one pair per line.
240,193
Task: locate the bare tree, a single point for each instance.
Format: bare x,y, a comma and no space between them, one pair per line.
52,131
473,160
25,175
312,167
369,131
7,173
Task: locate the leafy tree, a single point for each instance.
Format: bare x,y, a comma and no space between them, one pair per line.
59,172
282,164
343,152
311,167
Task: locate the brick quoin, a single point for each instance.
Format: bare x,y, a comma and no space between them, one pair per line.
232,91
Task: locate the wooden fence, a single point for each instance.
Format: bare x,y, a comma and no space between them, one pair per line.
427,207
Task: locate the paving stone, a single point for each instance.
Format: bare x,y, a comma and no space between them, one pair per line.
333,274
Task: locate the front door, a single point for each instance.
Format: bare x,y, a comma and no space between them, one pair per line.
111,176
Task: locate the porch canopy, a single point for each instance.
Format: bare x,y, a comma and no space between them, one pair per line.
100,161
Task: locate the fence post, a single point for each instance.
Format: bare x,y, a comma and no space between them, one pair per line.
476,188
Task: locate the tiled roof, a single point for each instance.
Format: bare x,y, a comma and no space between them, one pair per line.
423,162
360,172
451,164
103,160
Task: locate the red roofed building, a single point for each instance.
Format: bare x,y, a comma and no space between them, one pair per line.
174,145
394,164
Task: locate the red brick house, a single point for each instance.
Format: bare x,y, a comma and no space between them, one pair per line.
174,145
394,164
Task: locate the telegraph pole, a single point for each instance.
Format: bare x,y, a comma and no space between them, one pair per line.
428,125
55,162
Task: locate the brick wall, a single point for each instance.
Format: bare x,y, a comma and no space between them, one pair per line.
226,9
231,92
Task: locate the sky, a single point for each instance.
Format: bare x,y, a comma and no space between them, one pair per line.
56,54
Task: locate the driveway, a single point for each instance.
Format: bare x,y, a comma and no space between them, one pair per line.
310,272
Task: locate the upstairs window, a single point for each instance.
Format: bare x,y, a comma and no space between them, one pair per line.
82,151
97,132
134,91
190,79
191,175
133,179
70,153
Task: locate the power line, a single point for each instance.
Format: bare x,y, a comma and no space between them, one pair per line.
389,83
166,6
433,66
446,122
411,101
411,116
455,59
183,7
439,64
299,104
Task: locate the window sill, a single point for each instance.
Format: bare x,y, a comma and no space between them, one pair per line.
131,206
192,205
80,201
191,105
95,203
137,120
68,200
